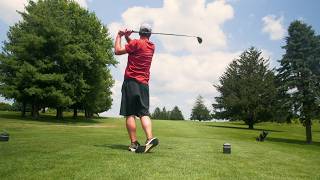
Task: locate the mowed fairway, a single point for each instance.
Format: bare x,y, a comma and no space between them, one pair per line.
97,149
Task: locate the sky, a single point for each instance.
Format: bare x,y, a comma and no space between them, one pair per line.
182,69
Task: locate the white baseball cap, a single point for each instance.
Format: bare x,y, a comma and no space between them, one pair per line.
145,28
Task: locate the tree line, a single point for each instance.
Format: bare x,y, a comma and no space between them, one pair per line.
199,112
174,114
251,91
57,56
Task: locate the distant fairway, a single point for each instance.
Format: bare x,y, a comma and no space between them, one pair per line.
97,149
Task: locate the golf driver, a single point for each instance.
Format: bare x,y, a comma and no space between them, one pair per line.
169,34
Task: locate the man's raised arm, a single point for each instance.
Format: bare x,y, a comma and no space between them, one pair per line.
118,50
127,34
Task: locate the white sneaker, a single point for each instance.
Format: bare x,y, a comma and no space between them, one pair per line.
134,146
151,144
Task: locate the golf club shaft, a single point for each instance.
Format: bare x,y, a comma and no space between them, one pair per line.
168,34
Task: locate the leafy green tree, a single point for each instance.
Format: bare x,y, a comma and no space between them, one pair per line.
300,73
5,106
18,106
26,67
200,111
247,89
176,114
89,60
58,56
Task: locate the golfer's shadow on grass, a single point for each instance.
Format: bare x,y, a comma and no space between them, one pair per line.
116,147
113,146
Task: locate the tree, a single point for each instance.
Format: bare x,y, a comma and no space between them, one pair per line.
300,73
282,109
58,56
164,114
5,106
200,111
18,106
176,114
156,113
247,89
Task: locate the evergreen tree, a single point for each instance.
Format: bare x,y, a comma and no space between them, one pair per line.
282,109
163,114
247,89
176,114
28,68
58,56
156,113
200,111
300,73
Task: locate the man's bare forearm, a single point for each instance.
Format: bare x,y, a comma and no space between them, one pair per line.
117,44
118,50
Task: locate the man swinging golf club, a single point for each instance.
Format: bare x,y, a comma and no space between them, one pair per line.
135,89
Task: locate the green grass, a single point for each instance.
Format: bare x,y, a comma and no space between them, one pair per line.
97,149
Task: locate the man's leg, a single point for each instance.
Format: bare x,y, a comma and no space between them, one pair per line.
151,141
131,127
147,126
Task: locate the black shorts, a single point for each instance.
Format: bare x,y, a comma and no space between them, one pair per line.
135,98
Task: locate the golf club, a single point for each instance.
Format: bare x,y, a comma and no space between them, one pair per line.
169,34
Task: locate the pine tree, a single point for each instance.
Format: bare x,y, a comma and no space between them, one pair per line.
282,109
247,89
163,114
176,114
300,73
156,113
58,56
31,59
200,111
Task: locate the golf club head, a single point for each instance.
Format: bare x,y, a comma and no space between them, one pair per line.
199,40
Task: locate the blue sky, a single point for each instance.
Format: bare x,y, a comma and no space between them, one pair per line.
183,69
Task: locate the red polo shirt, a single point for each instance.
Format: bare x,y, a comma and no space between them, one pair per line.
139,60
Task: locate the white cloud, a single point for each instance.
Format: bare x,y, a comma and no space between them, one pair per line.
178,79
9,8
4,100
191,73
266,54
193,17
274,27
83,3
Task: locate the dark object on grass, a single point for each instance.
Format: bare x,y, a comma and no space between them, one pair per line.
262,136
4,136
149,145
227,148
141,149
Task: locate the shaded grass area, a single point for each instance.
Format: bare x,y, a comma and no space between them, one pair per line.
291,141
242,127
49,118
97,149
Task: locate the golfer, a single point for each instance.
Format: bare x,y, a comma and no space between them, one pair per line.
135,89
